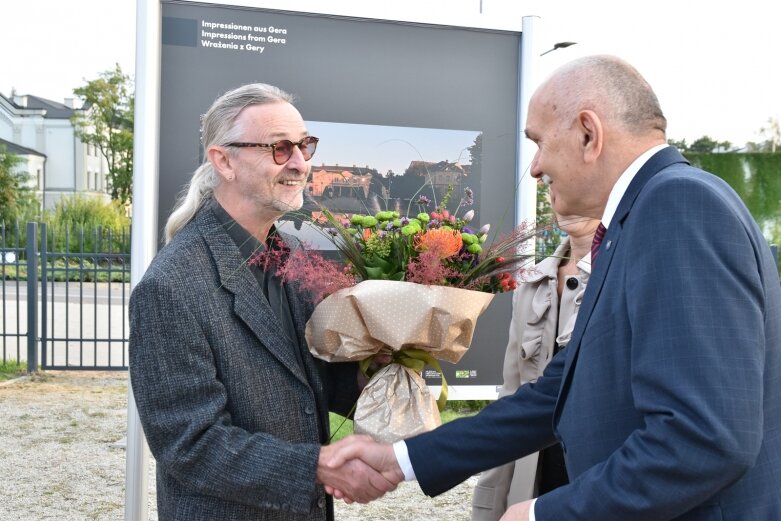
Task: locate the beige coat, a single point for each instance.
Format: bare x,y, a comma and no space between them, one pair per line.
535,330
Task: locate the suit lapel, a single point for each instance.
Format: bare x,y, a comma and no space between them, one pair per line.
610,243
249,304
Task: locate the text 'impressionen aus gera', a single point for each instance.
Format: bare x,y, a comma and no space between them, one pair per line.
239,37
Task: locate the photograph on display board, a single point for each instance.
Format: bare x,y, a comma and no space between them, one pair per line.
402,110
364,169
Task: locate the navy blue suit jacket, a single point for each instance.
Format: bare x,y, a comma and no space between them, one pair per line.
667,400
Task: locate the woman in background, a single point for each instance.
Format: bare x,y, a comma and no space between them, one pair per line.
545,306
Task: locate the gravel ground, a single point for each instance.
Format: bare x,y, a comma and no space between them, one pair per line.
59,458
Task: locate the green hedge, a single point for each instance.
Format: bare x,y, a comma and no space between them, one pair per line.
87,224
77,224
88,271
756,177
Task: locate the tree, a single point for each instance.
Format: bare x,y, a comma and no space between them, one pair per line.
680,145
107,123
548,236
724,146
476,154
16,199
703,145
476,167
772,135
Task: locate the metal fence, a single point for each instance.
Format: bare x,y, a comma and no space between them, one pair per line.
63,297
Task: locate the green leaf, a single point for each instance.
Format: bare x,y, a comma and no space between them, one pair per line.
379,262
375,273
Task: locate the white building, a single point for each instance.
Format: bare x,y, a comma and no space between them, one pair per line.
58,163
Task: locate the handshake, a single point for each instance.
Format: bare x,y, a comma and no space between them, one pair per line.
358,469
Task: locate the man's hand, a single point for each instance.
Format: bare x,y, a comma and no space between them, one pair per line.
517,512
351,479
362,450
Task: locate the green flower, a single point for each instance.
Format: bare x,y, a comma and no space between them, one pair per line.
368,221
410,229
386,246
377,245
469,238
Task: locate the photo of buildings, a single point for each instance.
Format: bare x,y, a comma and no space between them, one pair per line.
398,166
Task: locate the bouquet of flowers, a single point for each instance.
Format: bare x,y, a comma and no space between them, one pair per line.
412,287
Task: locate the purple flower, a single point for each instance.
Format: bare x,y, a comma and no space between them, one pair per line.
423,200
469,197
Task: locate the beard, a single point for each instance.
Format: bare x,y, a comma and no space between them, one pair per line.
291,203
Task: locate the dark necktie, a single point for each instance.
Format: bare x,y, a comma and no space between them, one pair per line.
598,236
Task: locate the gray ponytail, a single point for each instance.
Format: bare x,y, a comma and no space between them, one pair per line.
218,127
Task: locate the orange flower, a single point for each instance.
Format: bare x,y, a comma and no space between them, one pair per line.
445,242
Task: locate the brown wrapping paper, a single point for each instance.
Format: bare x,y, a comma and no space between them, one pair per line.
379,315
396,404
357,322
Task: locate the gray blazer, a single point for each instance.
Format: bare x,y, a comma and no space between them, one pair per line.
231,416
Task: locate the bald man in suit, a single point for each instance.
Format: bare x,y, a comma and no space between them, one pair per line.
667,399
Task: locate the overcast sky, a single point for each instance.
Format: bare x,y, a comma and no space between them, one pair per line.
714,65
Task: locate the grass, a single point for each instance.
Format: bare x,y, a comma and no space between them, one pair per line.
12,369
342,427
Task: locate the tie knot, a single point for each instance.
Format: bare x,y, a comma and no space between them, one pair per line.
598,236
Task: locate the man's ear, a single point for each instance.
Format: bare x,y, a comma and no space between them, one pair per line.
591,135
221,161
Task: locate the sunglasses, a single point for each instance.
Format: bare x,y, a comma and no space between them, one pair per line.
282,150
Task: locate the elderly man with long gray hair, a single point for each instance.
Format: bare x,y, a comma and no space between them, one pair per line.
234,407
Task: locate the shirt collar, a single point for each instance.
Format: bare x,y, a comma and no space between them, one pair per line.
619,189
248,245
